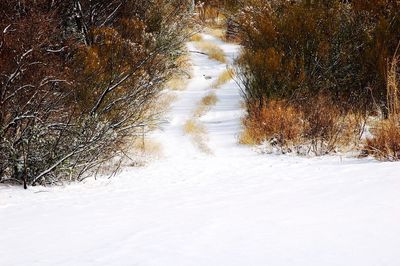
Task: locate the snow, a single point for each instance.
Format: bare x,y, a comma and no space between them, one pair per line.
231,207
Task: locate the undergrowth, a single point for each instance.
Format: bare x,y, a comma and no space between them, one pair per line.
288,128
385,143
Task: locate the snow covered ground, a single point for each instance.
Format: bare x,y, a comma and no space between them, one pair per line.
232,207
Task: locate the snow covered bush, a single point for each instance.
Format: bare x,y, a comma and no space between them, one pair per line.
78,79
34,97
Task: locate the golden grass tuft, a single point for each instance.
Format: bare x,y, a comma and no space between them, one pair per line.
223,78
198,134
219,33
148,147
385,144
205,104
180,79
193,127
210,99
196,38
212,50
177,83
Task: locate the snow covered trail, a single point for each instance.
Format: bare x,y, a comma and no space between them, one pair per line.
234,207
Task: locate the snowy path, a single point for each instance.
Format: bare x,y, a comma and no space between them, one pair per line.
234,207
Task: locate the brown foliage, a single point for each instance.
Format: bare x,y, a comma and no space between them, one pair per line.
35,98
326,59
276,121
296,50
317,129
329,129
78,78
385,143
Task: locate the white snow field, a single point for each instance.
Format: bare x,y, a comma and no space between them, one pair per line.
231,207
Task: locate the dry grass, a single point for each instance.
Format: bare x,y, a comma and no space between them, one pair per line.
319,128
196,38
184,61
205,104
201,143
223,78
180,79
212,50
219,33
385,145
277,121
160,107
328,128
198,134
200,110
177,83
148,147
211,16
393,86
194,127
210,99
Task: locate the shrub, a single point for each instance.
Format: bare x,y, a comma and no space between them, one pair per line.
328,128
326,59
385,144
275,121
298,49
78,79
319,129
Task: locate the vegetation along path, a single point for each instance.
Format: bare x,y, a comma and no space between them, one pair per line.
211,201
